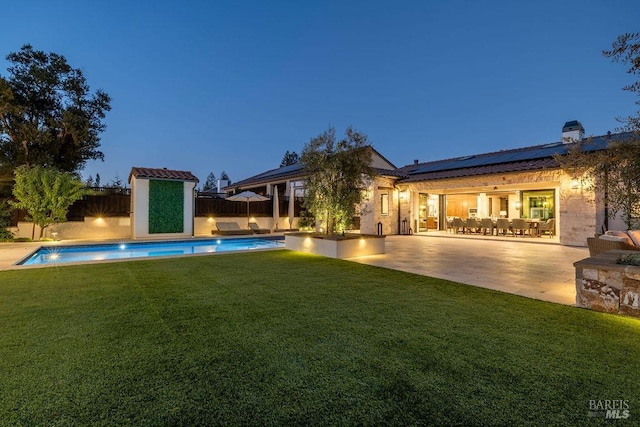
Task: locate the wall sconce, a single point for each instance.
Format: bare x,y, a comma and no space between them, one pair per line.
403,195
518,205
575,183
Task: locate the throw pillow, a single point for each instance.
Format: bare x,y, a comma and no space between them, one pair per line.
635,236
626,240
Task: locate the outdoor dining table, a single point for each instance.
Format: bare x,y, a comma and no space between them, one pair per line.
532,222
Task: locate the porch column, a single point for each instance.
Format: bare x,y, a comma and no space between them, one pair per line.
483,205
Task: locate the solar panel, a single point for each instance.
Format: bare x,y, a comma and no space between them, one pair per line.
510,156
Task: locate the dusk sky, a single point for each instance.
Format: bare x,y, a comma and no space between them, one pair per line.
207,86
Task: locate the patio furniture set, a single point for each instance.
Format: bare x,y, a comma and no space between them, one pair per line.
502,226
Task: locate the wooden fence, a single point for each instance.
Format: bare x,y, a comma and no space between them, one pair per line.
113,205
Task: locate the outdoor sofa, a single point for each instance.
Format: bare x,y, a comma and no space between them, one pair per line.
622,240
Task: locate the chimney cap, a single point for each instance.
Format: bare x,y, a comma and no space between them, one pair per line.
572,125
415,161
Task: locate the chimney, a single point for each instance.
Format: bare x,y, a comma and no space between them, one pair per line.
221,184
415,161
572,131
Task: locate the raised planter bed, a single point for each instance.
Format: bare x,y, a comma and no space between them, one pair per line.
604,285
338,246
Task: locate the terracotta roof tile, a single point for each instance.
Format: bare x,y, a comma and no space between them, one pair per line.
162,173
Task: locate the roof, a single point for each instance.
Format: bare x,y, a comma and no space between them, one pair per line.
162,173
278,174
297,171
535,157
515,160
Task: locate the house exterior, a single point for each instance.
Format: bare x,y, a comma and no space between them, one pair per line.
525,182
289,180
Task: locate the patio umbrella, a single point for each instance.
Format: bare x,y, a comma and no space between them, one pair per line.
247,196
291,212
276,207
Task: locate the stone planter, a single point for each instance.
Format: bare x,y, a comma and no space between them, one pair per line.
349,246
604,285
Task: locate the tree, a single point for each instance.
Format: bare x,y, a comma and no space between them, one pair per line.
116,183
339,173
5,217
224,176
626,50
46,194
97,180
614,173
290,158
210,183
48,116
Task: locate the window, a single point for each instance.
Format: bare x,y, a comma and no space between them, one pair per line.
538,204
384,203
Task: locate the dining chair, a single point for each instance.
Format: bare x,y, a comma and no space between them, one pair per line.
519,226
548,227
472,225
457,224
487,224
502,225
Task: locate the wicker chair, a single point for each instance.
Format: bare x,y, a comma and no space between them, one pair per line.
457,224
547,227
598,246
487,225
519,226
472,225
502,225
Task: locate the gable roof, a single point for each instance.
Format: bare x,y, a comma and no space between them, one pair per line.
297,171
514,160
270,176
162,173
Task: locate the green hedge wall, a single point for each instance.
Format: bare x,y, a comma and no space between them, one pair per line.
166,206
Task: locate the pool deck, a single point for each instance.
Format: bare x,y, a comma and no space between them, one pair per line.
534,268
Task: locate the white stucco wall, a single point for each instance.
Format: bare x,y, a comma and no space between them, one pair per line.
140,211
139,207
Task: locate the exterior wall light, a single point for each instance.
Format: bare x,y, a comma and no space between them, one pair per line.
575,183
518,205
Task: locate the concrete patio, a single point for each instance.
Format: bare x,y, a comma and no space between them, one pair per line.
535,268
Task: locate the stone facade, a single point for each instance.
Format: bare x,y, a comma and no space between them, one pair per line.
575,207
603,285
371,208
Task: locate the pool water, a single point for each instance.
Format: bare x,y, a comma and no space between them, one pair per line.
84,253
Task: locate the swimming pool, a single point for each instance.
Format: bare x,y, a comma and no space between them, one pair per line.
54,255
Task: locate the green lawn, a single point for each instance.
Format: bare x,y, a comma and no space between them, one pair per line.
285,338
